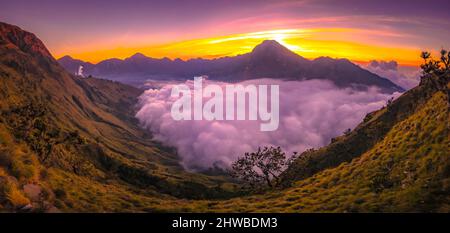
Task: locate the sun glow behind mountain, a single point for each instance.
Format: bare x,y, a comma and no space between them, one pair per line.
310,43
357,30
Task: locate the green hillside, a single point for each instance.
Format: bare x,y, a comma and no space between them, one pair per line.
66,137
407,171
72,144
373,129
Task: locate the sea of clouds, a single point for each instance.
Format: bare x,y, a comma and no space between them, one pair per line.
311,113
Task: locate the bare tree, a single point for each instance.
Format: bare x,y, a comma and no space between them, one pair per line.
425,55
432,66
445,58
261,169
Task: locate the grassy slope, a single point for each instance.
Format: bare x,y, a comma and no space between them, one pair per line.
73,136
368,133
407,171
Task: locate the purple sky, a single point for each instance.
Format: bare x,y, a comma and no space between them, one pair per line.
68,25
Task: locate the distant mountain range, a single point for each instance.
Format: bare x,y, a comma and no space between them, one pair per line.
267,60
71,144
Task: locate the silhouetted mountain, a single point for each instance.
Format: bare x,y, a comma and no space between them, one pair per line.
267,60
72,144
73,64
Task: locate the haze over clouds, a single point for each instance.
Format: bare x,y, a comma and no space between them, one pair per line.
311,113
406,77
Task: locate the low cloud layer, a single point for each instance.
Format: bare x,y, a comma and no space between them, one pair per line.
406,77
311,113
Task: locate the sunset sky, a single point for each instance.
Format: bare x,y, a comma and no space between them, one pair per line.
358,30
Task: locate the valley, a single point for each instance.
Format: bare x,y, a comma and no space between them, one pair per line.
73,144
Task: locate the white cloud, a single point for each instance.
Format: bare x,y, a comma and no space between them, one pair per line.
311,113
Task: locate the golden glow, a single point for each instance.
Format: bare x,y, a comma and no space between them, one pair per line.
347,43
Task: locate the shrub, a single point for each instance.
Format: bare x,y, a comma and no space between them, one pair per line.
5,158
43,174
60,193
2,172
14,196
21,170
23,165
368,117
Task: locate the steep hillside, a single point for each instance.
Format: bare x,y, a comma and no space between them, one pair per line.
57,129
72,144
373,129
408,170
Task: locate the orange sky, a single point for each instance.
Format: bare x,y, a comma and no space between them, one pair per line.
94,30
310,43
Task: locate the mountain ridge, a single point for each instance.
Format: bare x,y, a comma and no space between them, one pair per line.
267,60
74,142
